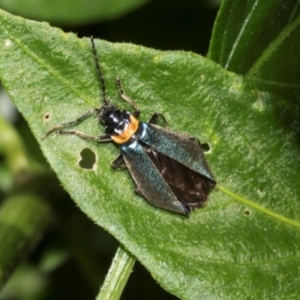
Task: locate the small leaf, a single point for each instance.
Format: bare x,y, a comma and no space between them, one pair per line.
261,40
245,242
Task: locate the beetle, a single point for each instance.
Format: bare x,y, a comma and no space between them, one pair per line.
169,169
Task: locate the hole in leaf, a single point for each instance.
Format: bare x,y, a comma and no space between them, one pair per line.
205,147
88,159
47,116
247,212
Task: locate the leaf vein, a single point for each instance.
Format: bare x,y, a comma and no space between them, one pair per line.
285,33
259,207
238,38
42,63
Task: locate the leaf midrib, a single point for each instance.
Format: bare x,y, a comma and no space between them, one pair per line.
260,208
56,75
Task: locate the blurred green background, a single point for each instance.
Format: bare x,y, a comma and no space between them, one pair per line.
72,257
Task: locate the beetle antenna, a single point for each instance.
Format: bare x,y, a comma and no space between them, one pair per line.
100,74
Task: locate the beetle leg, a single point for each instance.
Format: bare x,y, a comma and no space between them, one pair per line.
126,98
205,147
154,118
195,140
119,163
100,138
67,124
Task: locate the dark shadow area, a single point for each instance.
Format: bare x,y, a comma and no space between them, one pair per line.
164,25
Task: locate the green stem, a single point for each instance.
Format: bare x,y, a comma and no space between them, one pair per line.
117,276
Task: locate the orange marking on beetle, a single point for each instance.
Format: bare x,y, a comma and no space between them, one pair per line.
128,132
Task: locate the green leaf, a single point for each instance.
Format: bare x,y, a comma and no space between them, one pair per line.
261,40
71,11
241,243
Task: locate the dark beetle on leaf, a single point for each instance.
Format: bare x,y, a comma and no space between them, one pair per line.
169,169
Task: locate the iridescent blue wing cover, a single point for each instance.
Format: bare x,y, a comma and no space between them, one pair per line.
181,148
149,182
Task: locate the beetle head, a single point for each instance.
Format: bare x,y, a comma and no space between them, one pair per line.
105,111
